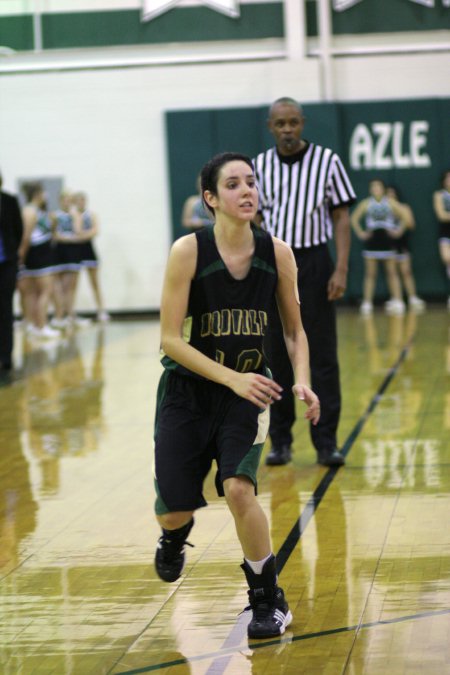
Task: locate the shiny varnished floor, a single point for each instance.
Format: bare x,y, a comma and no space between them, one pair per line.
364,551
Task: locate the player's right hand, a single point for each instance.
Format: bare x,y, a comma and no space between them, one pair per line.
260,390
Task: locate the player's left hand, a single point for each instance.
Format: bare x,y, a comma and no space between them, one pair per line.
304,393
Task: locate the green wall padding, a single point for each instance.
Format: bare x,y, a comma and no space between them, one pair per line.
16,32
182,24
194,136
62,30
382,16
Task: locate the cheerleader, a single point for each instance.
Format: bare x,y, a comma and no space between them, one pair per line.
67,235
38,270
403,255
89,259
384,222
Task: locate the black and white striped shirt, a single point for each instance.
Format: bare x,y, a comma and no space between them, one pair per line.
298,193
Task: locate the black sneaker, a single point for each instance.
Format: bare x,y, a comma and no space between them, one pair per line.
270,610
330,457
271,613
169,557
279,455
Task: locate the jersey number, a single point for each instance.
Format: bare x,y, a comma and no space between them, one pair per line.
248,360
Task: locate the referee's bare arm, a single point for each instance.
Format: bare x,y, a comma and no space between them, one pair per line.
338,280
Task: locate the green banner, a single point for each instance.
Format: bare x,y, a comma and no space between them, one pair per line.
405,143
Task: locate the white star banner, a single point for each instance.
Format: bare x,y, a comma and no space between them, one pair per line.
341,5
153,8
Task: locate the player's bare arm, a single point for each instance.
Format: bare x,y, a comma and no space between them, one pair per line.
294,335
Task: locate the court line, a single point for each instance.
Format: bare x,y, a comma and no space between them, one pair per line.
312,504
234,639
238,632
230,651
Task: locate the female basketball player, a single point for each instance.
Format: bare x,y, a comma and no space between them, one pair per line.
215,393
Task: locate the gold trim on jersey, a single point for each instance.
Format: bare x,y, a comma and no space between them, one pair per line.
233,322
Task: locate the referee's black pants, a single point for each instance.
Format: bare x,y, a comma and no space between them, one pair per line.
315,267
8,273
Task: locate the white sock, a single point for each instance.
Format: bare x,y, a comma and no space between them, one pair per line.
257,566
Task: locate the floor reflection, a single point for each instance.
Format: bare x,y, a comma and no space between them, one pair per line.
18,507
411,463
385,336
54,411
62,397
397,448
367,581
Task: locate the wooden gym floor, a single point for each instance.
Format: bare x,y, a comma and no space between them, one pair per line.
363,552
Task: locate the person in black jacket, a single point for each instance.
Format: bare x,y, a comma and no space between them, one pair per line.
11,229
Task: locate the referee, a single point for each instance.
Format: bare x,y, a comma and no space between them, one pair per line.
305,196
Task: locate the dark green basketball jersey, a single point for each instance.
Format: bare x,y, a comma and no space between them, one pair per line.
227,317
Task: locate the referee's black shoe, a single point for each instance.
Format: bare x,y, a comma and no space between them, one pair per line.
330,457
169,557
278,455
